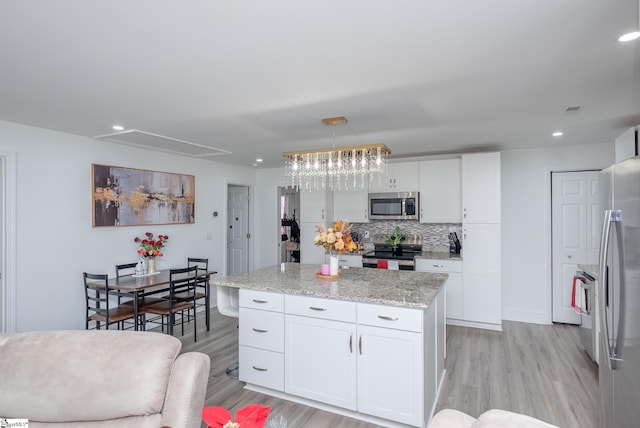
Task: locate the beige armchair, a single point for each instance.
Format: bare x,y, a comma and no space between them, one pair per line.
494,418
101,378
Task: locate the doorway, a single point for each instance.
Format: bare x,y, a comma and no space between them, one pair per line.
576,216
288,216
238,235
8,246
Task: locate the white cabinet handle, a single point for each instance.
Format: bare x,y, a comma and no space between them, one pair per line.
260,369
259,301
438,266
323,213
366,214
314,308
464,213
257,330
386,318
421,213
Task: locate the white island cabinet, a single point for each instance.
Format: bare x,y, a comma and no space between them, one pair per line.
361,346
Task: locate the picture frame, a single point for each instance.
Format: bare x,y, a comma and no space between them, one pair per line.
123,196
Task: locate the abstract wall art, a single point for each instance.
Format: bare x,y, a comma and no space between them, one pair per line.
135,197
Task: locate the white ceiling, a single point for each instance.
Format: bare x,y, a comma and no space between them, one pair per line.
256,77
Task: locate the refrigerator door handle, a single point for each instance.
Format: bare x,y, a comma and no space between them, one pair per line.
612,349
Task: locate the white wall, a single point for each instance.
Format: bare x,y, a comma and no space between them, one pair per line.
55,239
267,221
526,223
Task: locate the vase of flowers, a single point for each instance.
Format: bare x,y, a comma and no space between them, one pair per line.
335,240
151,247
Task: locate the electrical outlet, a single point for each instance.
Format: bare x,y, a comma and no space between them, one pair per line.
366,234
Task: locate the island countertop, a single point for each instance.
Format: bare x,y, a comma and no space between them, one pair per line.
378,286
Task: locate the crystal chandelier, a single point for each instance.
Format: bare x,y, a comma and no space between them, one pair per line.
336,168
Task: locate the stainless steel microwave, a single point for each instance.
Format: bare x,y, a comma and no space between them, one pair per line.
394,206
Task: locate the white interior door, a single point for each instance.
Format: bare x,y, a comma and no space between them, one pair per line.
576,219
237,229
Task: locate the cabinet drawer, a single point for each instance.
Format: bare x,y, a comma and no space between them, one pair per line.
314,307
263,300
435,265
350,260
260,367
390,317
261,329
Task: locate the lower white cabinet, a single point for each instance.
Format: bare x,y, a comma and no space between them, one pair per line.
453,286
350,260
389,362
482,289
319,362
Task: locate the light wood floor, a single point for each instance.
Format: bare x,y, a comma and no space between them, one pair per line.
533,369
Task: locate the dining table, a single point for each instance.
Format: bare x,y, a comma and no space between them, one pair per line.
139,286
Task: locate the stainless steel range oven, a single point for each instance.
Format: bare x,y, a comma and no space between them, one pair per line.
384,254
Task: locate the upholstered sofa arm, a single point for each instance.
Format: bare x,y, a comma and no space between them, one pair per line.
186,391
493,418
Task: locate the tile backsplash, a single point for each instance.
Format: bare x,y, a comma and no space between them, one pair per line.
435,236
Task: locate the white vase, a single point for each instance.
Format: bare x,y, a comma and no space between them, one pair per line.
333,264
151,265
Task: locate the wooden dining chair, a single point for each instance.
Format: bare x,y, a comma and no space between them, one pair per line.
99,309
202,286
181,282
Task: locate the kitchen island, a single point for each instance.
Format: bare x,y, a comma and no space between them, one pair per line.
369,345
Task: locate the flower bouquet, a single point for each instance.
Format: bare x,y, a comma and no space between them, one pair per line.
336,238
151,246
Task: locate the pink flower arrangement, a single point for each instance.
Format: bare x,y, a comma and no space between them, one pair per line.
250,416
151,246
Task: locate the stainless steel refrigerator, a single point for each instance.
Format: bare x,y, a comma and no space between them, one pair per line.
619,296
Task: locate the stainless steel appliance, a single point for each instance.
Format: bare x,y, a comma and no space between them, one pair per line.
619,295
394,206
584,284
404,254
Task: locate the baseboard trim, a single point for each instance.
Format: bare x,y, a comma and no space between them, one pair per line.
472,324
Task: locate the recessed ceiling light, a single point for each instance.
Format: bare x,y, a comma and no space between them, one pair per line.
629,36
557,134
118,128
259,160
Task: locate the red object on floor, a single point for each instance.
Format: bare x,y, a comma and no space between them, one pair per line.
382,264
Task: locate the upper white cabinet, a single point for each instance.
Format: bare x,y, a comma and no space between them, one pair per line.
626,145
351,205
481,188
401,177
316,207
440,189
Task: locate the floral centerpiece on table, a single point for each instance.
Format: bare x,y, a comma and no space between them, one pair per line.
151,246
336,238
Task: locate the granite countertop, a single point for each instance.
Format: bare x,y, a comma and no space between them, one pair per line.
590,269
439,255
378,286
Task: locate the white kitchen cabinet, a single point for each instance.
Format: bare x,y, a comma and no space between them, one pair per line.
440,186
453,286
261,339
482,291
390,357
481,188
626,145
320,360
350,260
316,207
388,361
401,177
351,205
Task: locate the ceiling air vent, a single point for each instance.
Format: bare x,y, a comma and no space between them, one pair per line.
573,109
147,140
